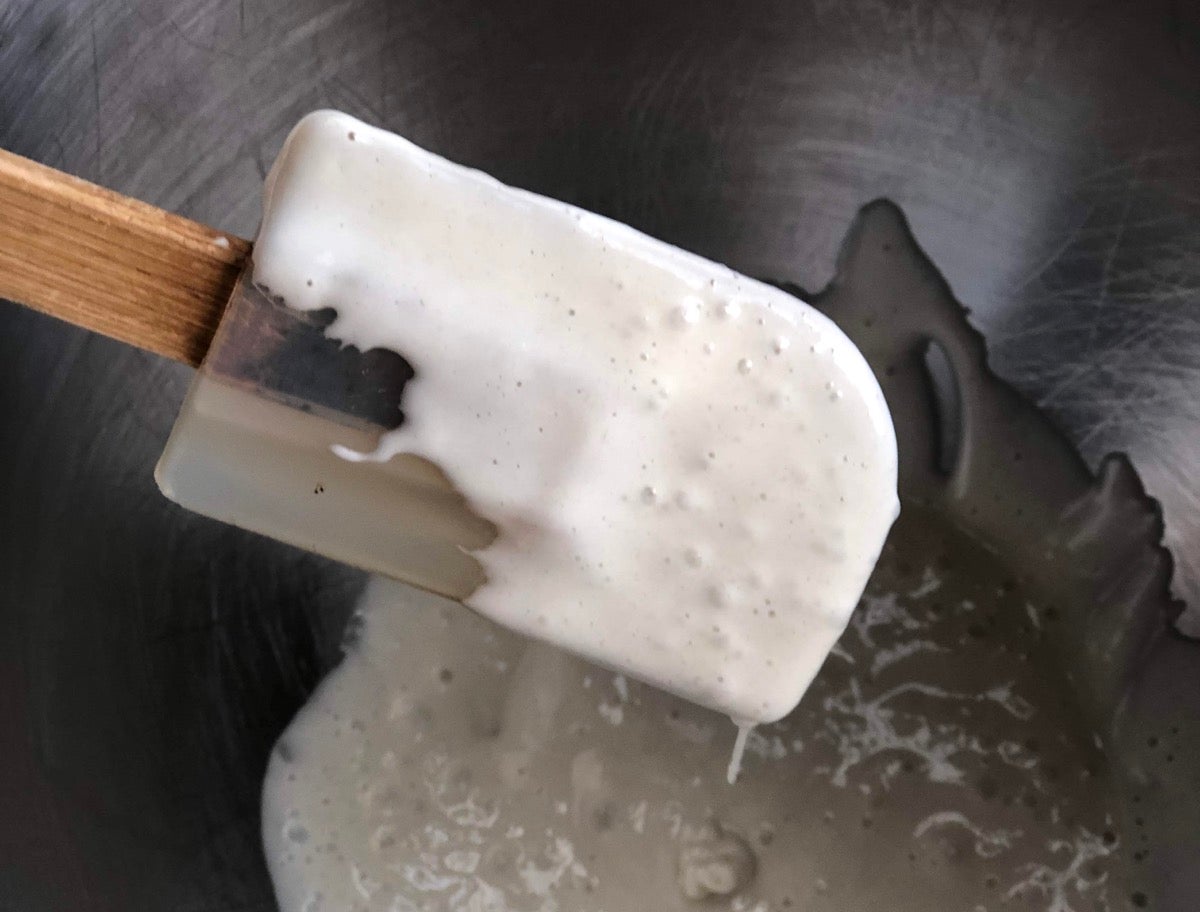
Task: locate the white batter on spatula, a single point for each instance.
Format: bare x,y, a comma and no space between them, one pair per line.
691,472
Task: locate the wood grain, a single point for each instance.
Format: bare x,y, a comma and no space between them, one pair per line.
112,264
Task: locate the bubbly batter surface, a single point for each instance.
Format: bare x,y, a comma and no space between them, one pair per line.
691,473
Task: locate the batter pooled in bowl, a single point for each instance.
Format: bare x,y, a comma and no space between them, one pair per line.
690,472
937,762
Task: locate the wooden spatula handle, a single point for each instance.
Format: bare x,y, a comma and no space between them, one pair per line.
112,264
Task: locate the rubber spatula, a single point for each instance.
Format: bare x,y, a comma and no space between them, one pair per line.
254,444
668,449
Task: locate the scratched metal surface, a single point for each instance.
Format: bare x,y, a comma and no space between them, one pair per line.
1047,154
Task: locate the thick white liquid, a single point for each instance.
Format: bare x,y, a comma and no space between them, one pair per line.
739,752
691,473
450,766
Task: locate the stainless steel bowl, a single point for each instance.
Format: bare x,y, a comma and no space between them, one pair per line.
1046,154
